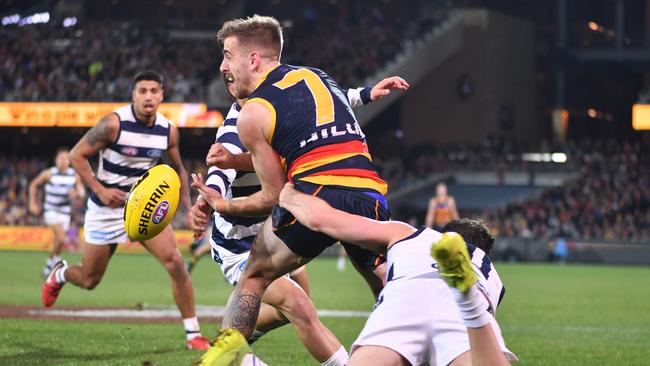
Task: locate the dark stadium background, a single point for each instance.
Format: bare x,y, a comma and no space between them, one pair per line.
524,108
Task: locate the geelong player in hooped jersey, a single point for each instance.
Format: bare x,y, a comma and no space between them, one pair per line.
441,323
298,126
61,184
129,141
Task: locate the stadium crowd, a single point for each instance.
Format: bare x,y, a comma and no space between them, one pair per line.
48,62
16,173
610,200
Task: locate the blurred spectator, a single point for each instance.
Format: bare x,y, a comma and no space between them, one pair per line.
610,200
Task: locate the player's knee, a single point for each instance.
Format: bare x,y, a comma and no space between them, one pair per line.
90,282
257,272
172,262
301,309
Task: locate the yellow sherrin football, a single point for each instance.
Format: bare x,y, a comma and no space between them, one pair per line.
152,203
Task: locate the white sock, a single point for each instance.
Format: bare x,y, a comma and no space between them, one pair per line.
252,360
52,261
192,329
59,277
339,358
473,307
340,264
255,336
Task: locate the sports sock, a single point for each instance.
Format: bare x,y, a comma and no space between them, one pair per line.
52,261
59,276
473,307
340,264
192,329
339,358
255,336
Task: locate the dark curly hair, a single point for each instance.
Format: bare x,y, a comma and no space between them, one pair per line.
473,231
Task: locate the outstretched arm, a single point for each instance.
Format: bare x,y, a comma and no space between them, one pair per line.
362,96
319,216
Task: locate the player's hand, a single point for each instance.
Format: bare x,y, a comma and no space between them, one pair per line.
200,216
220,157
34,209
383,88
211,196
112,197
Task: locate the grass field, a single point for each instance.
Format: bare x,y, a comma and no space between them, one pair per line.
551,315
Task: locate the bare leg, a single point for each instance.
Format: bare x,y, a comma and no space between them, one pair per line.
59,239
485,348
302,278
90,271
464,359
286,296
163,247
269,259
270,318
376,356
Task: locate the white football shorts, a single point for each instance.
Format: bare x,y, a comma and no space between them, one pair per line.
54,218
232,265
104,225
419,319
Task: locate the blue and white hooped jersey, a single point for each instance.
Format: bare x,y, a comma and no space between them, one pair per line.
411,258
232,233
57,190
136,150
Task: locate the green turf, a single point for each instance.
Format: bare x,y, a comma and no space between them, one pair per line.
551,315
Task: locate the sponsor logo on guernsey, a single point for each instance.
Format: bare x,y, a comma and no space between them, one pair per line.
153,153
151,208
333,131
129,151
160,212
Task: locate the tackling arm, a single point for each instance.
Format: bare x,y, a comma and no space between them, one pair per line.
317,215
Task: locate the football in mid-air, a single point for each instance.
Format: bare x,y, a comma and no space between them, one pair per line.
152,203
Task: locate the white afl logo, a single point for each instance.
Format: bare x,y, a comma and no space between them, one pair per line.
160,212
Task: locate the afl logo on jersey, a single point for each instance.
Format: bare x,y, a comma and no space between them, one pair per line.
153,153
160,212
129,151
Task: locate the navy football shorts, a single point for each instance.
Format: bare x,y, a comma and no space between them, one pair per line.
309,244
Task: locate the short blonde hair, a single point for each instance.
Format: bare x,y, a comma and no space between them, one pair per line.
257,30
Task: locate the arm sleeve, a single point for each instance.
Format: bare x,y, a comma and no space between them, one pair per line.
359,96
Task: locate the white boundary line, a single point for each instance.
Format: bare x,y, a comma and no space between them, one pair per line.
169,312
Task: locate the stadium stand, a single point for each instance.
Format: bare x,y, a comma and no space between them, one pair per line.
48,62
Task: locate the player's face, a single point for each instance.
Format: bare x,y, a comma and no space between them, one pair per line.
147,96
62,161
441,190
237,68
